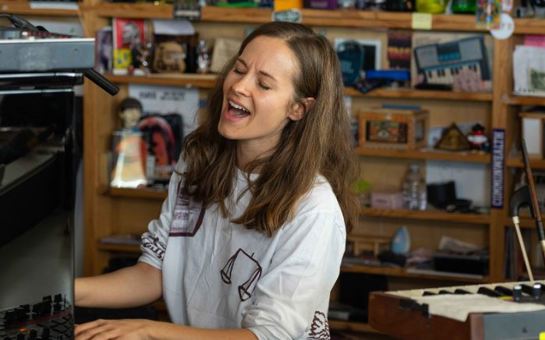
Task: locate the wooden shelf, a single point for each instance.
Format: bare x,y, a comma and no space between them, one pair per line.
208,81
333,18
429,215
401,272
138,193
421,94
136,10
383,19
524,100
529,26
426,154
23,8
352,326
343,18
203,81
345,268
516,162
525,222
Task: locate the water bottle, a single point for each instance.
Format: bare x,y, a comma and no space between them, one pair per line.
414,189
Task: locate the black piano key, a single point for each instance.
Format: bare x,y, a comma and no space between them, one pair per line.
503,290
461,291
526,289
488,292
427,293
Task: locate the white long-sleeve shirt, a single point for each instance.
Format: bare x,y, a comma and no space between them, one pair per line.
218,274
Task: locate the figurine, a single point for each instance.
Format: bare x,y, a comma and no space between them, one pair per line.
453,139
130,112
203,58
169,57
141,55
477,138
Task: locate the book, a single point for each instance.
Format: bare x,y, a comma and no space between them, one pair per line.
103,50
129,35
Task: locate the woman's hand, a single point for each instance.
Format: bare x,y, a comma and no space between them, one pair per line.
126,329
139,329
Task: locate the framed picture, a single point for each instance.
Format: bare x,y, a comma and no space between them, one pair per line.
357,56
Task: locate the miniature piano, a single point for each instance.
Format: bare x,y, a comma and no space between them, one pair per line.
511,310
441,63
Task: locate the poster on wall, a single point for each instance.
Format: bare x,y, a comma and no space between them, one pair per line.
167,100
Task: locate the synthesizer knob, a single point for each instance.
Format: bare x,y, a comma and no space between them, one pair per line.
517,293
33,335
45,333
536,291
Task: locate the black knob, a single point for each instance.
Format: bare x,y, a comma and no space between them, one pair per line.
45,333
10,317
517,293
536,291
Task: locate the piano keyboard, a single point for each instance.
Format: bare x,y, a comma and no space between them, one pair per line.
446,75
504,289
517,311
441,63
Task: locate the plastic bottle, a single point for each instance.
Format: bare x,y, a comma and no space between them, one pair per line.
414,189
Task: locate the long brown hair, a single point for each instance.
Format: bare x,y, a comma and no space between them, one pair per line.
319,143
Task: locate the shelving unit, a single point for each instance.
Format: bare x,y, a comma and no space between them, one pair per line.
425,154
430,215
24,8
202,81
407,273
118,211
97,14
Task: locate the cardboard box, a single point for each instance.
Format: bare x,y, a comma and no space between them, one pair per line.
393,128
387,200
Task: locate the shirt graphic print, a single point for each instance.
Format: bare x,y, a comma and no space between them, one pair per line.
246,273
187,217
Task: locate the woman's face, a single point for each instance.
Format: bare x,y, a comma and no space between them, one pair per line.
258,96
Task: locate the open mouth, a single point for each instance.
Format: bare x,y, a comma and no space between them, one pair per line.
238,110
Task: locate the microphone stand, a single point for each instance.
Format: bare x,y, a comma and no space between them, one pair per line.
527,196
101,81
520,199
536,213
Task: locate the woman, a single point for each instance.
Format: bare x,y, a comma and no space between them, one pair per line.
249,242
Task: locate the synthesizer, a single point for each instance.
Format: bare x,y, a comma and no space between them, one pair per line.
511,310
440,63
23,50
